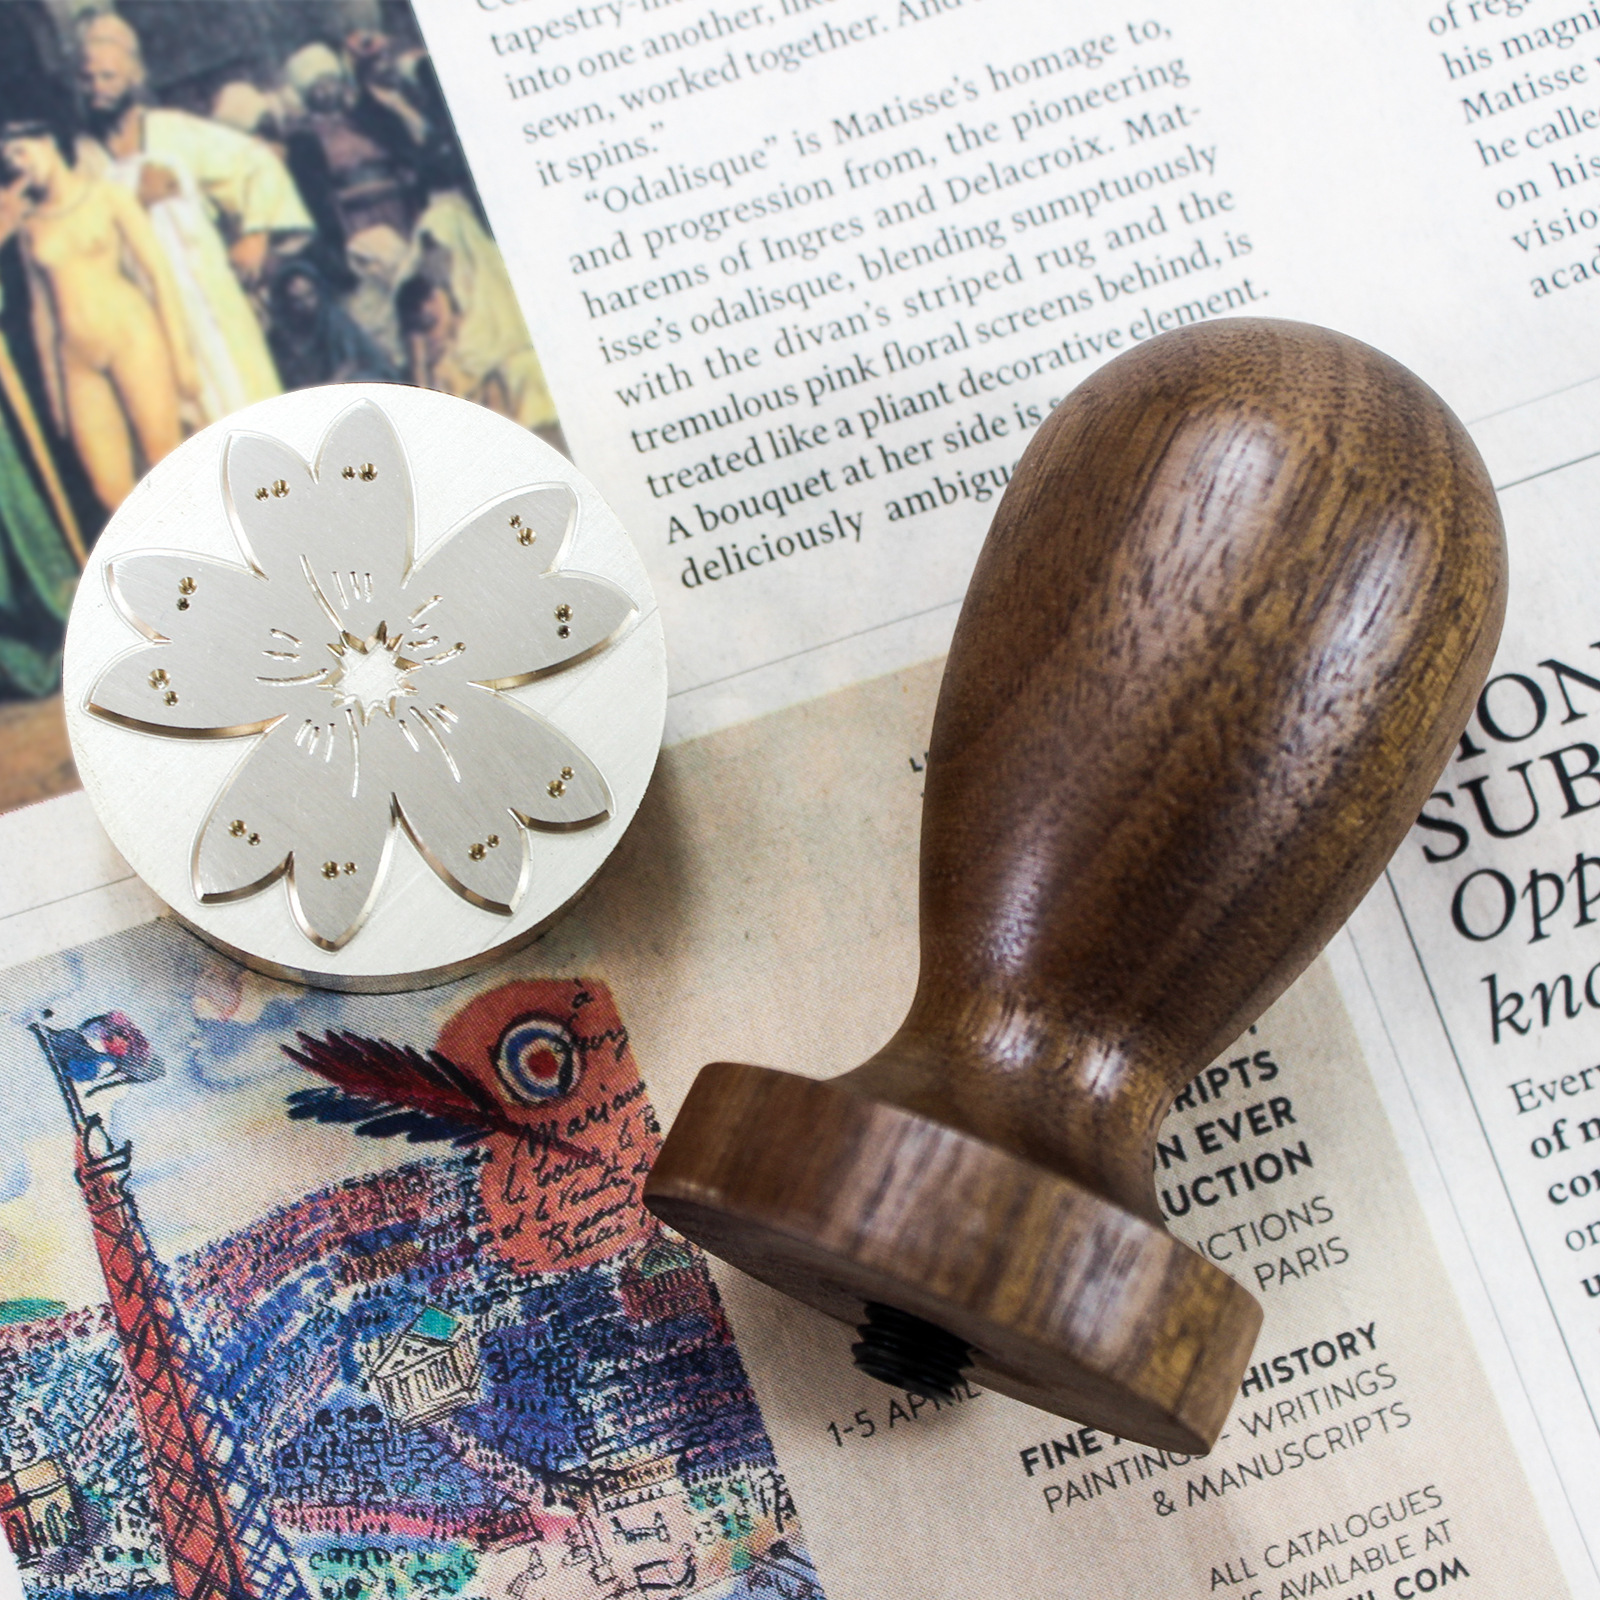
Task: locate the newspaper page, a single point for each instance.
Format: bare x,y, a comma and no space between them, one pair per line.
615,1414
920,252
800,333
1473,951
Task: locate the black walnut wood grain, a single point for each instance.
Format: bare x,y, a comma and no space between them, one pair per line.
1229,620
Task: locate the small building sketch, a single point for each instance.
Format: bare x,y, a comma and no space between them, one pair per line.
37,1509
129,1551
429,1369
664,1281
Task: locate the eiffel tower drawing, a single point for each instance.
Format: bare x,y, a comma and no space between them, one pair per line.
215,1521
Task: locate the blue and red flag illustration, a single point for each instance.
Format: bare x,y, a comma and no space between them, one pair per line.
103,1052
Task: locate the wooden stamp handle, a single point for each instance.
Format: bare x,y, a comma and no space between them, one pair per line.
1228,623
1230,618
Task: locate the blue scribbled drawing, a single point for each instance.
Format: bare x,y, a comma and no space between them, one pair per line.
479,1370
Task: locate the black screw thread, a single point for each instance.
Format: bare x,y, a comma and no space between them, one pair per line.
907,1353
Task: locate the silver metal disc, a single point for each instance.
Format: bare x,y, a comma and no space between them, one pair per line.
365,682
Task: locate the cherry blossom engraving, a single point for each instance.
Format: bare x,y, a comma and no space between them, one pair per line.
368,685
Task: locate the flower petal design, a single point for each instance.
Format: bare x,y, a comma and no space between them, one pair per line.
268,489
216,672
308,800
517,618
168,595
347,526
372,690
468,835
490,747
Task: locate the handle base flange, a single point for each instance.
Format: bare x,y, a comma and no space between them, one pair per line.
1068,1302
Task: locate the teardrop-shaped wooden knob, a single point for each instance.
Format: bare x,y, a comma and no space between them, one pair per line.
1229,621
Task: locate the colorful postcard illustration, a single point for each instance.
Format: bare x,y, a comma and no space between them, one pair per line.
320,1297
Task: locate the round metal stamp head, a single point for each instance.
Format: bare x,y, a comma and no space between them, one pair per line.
365,682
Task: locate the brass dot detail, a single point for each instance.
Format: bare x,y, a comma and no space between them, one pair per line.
186,585
349,869
183,605
563,632
493,841
476,851
279,488
566,772
255,838
170,697
349,472
237,828
563,613
368,472
557,788
330,869
159,678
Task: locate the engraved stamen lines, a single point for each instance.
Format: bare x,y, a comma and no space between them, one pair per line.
292,654
436,721
360,587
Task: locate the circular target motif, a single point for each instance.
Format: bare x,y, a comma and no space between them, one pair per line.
537,1060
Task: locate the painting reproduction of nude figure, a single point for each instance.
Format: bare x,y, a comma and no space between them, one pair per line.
204,203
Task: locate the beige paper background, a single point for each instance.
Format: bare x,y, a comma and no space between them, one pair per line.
763,909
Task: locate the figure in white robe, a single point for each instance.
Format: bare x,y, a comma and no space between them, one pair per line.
490,347
192,174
